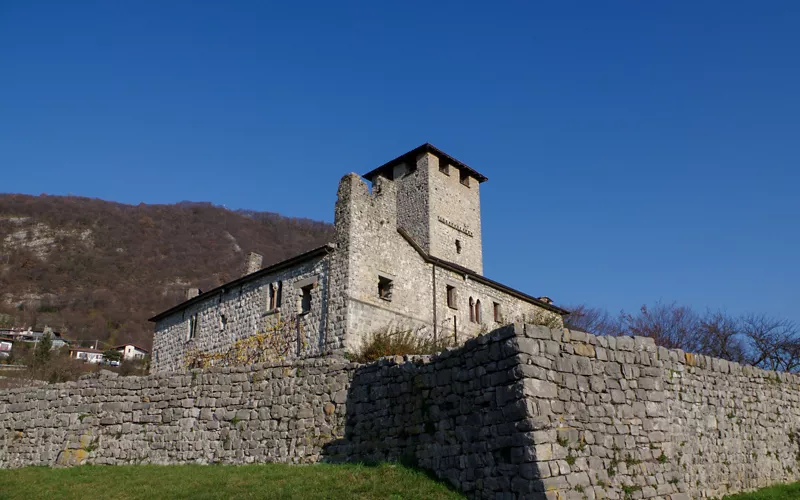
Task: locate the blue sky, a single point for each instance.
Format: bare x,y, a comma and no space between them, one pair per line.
636,151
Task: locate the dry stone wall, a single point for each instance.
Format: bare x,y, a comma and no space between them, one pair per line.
522,412
278,413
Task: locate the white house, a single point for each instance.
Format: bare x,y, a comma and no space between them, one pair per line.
131,351
86,354
5,347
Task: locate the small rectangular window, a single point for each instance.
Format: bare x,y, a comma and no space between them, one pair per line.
385,288
497,316
279,294
451,297
464,177
305,300
444,167
192,327
458,246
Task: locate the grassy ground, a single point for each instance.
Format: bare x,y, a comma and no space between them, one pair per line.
319,481
783,492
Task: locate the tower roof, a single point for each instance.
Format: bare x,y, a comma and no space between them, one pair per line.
411,158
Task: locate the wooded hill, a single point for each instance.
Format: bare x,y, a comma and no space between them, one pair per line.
97,269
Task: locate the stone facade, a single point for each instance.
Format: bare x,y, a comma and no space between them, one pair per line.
214,321
522,412
415,230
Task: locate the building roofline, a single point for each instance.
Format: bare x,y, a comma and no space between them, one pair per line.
134,345
479,278
85,349
411,157
323,250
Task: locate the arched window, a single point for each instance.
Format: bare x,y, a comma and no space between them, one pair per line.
478,315
471,310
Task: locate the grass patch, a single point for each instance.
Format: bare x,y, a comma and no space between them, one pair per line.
319,481
780,492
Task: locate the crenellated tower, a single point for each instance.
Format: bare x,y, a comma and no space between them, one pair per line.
438,203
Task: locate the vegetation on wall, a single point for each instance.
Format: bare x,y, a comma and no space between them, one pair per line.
277,342
98,269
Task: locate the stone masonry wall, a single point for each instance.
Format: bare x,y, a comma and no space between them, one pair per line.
276,413
522,412
242,311
733,427
373,247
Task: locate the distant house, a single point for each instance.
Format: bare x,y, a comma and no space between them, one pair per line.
5,347
86,354
131,351
34,336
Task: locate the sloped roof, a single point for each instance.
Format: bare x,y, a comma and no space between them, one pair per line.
479,278
298,259
411,158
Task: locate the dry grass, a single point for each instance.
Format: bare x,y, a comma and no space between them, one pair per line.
399,343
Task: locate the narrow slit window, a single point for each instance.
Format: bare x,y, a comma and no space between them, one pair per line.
385,288
458,246
497,315
192,327
279,294
478,312
223,322
451,297
471,310
273,297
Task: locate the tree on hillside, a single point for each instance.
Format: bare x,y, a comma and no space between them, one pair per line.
41,354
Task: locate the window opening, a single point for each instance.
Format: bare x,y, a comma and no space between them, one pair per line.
385,288
273,297
478,315
305,300
471,310
464,177
451,297
192,327
458,246
497,317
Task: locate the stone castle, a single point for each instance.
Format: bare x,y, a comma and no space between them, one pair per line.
407,255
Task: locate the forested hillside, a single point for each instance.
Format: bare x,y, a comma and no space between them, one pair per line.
97,269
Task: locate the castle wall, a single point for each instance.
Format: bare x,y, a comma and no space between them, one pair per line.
523,412
367,224
512,309
242,311
376,249
262,413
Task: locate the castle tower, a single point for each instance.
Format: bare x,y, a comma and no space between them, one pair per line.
438,204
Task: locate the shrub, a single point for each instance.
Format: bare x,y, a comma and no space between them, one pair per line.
399,343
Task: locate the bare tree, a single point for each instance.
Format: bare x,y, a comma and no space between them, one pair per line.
670,325
773,343
592,320
719,335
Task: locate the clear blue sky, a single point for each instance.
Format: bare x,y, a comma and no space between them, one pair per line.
636,151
